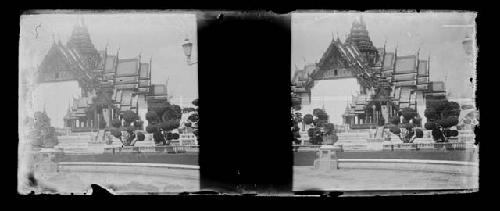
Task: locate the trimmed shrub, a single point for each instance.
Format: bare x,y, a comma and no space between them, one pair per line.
41,120
417,121
116,123
169,136
419,133
169,125
409,113
448,122
395,130
438,135
193,117
320,113
140,136
130,116
430,126
394,120
138,123
188,110
171,112
150,128
117,133
152,116
329,128
450,133
308,119
407,126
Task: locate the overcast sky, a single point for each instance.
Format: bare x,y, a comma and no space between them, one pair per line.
159,36
438,35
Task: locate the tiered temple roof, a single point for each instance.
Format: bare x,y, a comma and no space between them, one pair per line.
402,81
127,80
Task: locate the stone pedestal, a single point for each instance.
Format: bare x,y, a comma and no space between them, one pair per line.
427,133
326,159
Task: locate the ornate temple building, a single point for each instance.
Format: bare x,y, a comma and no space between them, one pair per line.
109,84
388,82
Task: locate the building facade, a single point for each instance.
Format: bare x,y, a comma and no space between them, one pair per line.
388,82
110,85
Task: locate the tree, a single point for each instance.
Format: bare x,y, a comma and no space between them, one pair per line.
103,99
41,120
41,133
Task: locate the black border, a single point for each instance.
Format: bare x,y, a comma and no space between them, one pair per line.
486,29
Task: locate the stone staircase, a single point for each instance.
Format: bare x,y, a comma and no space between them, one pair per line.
354,140
76,142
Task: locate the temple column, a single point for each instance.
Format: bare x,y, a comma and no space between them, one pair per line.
374,113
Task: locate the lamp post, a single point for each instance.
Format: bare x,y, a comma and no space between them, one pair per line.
188,46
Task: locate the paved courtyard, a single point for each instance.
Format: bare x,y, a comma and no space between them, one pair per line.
120,180
353,177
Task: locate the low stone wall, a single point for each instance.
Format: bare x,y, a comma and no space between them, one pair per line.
306,158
